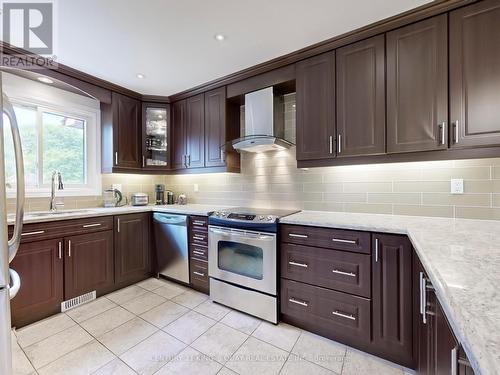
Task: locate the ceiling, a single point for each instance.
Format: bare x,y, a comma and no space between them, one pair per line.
172,42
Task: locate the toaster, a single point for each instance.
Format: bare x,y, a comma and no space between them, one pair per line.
139,199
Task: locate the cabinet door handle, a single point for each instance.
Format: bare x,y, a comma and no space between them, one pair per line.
455,132
376,249
344,273
331,144
143,161
339,144
69,248
60,250
303,265
421,277
118,225
298,235
199,273
189,160
91,225
424,299
297,302
116,158
442,129
354,242
342,315
33,233
198,252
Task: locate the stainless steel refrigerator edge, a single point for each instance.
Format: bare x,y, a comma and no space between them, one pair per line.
171,244
9,279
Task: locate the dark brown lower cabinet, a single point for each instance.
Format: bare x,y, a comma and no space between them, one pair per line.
198,253
40,265
132,248
199,275
88,264
392,298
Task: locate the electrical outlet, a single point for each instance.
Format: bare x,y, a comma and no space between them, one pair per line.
195,188
457,186
117,187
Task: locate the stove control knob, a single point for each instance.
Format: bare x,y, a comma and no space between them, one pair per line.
217,213
270,218
261,217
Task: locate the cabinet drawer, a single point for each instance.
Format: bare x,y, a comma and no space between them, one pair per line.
198,222
199,275
332,314
339,270
338,239
198,252
199,238
54,229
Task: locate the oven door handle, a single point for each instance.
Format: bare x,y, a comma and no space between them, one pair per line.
225,233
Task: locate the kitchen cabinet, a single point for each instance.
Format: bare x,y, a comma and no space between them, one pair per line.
126,131
40,265
361,98
392,298
179,146
195,131
417,86
88,264
155,136
475,75
215,127
315,107
198,253
132,248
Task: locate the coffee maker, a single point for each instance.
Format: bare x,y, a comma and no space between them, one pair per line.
160,194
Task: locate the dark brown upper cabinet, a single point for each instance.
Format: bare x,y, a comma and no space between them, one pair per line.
392,298
315,98
127,129
155,136
179,135
417,86
361,98
215,127
475,75
195,131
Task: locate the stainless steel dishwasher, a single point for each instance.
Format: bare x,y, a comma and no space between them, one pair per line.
171,244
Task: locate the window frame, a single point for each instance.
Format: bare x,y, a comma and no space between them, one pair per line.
92,160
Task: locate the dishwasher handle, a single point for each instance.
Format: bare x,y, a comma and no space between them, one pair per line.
170,219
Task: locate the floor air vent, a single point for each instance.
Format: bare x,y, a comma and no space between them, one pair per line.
77,301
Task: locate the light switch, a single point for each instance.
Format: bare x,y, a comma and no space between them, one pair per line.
457,186
195,188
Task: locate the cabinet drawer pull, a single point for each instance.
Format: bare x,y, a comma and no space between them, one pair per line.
92,225
33,233
200,238
376,250
344,273
298,235
60,250
303,265
118,225
199,222
69,248
199,273
116,158
199,252
354,242
297,302
346,316
454,361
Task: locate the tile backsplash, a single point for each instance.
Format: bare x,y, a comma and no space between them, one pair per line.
273,180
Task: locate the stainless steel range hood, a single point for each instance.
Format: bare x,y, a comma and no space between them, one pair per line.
264,123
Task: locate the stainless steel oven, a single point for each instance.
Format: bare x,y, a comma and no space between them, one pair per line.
243,257
242,260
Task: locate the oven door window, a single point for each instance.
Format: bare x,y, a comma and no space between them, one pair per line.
240,258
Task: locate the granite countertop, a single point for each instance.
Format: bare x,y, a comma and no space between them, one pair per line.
188,209
462,259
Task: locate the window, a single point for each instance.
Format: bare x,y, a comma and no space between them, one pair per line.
53,139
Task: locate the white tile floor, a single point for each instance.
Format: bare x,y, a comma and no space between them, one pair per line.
158,327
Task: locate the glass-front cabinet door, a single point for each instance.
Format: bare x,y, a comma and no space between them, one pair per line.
156,126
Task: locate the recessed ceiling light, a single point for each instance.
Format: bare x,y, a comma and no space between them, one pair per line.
140,76
219,37
45,80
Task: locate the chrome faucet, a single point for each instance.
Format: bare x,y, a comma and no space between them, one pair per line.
60,186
